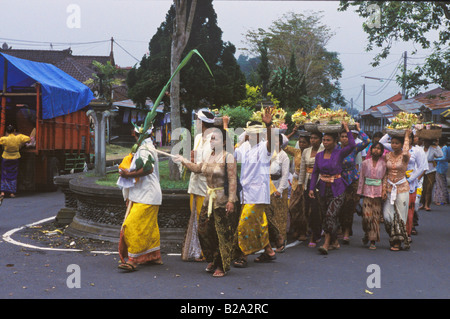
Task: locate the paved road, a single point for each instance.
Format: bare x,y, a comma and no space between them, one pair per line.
299,273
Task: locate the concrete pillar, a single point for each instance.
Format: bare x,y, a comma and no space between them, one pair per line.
99,113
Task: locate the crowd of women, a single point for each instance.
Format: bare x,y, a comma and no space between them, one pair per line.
248,200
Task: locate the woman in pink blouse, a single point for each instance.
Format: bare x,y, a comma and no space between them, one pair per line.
370,186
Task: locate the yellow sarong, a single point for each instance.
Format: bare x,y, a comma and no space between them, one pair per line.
140,239
198,203
253,234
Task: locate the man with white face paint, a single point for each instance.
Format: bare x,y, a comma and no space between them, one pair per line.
254,156
197,189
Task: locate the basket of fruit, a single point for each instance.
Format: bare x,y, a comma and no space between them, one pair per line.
402,122
428,131
330,127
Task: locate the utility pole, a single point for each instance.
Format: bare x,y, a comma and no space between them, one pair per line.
405,58
364,96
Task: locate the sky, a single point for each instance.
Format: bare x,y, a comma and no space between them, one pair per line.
86,26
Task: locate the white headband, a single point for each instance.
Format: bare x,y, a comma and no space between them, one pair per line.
201,116
256,128
139,130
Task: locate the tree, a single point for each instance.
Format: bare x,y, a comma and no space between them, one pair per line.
263,67
249,68
196,87
410,21
307,37
104,80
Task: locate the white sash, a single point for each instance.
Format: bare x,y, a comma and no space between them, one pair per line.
394,189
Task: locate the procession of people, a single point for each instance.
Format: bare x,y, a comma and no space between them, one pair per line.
250,198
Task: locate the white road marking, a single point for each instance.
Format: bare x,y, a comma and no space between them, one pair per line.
7,238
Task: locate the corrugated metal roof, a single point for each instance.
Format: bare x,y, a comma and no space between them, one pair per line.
386,111
437,100
409,105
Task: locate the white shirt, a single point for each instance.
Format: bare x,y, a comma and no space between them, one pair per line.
431,154
147,189
202,149
255,169
280,166
418,164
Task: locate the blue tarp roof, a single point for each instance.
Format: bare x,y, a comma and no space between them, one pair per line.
61,93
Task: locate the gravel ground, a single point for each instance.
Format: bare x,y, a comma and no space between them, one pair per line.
51,236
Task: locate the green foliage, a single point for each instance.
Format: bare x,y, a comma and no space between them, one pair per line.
253,96
309,76
239,115
263,68
106,76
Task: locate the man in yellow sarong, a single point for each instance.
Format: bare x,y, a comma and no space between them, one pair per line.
254,156
139,236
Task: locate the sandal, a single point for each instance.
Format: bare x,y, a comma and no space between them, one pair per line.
282,248
240,263
219,273
333,247
323,250
372,247
395,248
365,241
312,245
264,258
210,268
127,267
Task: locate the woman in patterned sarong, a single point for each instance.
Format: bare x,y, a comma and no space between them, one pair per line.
298,215
370,186
217,220
277,211
396,192
350,175
311,205
331,186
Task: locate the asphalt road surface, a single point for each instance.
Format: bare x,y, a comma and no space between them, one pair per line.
352,272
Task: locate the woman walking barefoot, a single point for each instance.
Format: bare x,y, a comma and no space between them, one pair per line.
331,186
370,186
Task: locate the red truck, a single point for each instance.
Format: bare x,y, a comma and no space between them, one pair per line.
42,101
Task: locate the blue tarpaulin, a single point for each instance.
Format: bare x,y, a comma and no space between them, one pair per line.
61,93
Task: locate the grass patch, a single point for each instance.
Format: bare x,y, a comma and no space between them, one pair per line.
110,179
116,151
